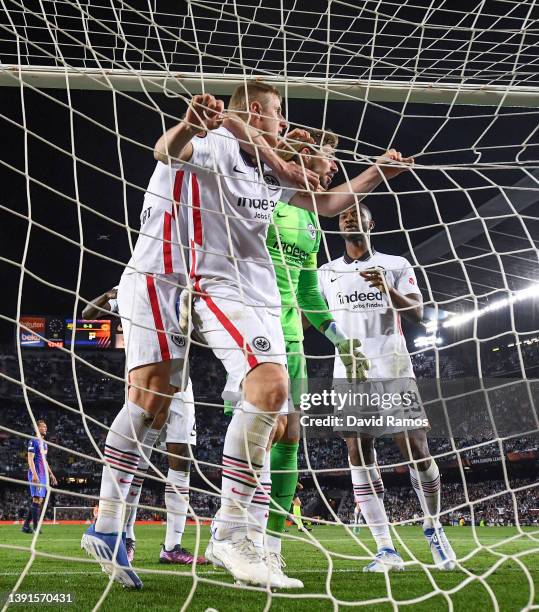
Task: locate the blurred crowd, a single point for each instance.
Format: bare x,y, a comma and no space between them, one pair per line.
75,436
79,397
98,376
492,503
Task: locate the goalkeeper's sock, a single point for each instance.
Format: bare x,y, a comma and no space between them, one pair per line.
426,484
284,459
244,450
369,492
122,456
259,508
35,508
133,497
177,504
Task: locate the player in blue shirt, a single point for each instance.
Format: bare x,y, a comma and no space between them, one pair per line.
38,466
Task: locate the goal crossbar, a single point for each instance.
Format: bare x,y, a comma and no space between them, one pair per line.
187,83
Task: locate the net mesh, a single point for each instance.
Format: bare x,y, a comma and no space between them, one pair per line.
455,88
491,43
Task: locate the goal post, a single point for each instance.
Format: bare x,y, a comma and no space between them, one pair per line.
185,83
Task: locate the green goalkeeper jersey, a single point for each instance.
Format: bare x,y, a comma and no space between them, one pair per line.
293,242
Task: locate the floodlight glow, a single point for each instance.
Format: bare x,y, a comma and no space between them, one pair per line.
423,341
431,326
518,296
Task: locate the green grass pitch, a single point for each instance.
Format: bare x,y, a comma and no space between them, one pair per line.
498,565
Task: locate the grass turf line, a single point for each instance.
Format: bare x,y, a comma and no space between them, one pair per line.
169,588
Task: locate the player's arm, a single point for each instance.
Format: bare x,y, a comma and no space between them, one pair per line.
100,305
252,141
409,305
32,466
52,477
310,299
334,201
314,306
204,113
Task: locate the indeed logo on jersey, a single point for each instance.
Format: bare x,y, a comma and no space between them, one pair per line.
292,250
258,204
362,299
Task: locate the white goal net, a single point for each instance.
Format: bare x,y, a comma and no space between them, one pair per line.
88,88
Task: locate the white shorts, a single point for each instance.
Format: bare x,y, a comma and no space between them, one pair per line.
181,426
241,336
148,307
397,408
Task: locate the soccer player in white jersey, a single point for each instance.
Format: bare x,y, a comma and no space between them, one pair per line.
367,292
147,301
180,431
236,301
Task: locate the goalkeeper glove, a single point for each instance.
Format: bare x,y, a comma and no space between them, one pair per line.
353,359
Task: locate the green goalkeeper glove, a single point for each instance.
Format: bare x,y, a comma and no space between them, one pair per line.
353,359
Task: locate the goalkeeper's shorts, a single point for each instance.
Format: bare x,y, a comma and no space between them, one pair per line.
377,408
147,305
241,336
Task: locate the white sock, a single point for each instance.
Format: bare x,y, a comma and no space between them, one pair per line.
427,487
259,508
122,455
177,504
245,445
133,497
369,492
273,544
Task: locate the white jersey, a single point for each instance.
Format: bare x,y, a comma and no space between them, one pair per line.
230,207
363,312
163,224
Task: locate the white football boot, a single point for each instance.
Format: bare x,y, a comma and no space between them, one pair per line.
443,554
385,560
276,564
240,557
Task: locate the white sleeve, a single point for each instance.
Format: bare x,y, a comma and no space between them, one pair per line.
201,151
208,149
405,279
287,194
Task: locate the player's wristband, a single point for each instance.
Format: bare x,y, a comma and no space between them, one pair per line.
334,334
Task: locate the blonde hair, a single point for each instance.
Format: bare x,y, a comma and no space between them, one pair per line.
249,92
